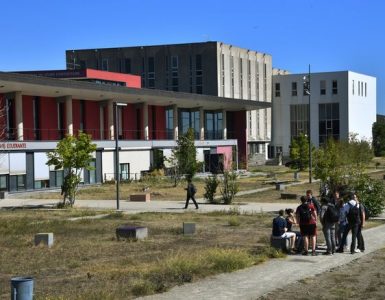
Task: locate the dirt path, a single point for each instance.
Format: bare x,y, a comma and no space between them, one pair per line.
363,278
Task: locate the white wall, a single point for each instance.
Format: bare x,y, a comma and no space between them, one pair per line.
356,113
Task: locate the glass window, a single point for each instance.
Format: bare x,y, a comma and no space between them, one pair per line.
329,122
353,87
213,125
124,171
323,87
277,90
3,182
335,87
299,119
105,64
127,65
294,89
170,123
174,62
365,89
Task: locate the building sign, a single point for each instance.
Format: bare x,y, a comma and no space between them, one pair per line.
13,146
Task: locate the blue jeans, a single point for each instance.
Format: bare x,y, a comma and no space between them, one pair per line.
329,233
340,232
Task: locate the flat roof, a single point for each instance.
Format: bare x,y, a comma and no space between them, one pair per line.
53,87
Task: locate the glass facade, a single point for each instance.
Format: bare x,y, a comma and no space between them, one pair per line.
329,122
213,125
189,119
299,119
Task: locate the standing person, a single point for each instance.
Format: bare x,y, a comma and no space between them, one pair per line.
312,200
329,216
342,223
307,219
191,191
352,212
360,238
280,229
335,200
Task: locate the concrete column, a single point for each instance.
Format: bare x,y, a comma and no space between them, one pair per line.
145,121
176,121
224,118
69,121
201,124
110,122
19,115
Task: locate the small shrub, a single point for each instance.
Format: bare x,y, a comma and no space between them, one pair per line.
142,288
229,187
229,260
211,186
234,221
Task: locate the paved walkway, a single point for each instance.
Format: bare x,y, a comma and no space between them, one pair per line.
254,282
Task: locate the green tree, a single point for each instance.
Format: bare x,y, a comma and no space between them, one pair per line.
230,186
73,154
339,163
299,152
378,131
185,154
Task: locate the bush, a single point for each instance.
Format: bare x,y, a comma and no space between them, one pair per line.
371,192
234,221
229,187
211,186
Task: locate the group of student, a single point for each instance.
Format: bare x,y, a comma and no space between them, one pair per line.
336,216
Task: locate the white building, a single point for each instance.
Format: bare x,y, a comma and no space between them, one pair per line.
340,103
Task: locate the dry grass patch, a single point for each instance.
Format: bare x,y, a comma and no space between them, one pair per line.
87,262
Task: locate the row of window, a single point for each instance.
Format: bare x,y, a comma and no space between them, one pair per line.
240,78
306,88
328,121
361,88
213,123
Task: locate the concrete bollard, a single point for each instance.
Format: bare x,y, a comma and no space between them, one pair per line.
188,228
45,238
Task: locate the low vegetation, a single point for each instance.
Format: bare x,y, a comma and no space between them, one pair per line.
87,257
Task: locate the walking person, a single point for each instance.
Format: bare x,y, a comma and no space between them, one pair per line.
352,212
307,218
329,216
191,191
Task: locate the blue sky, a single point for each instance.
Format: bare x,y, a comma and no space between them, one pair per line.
331,35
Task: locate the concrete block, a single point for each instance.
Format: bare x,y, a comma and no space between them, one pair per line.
45,238
280,187
188,228
280,243
131,232
141,197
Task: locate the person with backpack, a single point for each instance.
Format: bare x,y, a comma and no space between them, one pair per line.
307,219
191,191
352,213
364,217
312,200
329,216
342,223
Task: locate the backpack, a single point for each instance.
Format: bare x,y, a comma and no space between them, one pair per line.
304,213
193,189
354,214
366,211
332,214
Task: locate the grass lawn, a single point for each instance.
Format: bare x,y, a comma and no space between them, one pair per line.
87,262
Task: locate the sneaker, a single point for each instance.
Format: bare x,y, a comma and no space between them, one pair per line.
327,253
357,251
305,253
340,251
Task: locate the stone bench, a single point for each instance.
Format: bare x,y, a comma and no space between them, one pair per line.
280,243
45,238
288,196
140,197
280,186
131,232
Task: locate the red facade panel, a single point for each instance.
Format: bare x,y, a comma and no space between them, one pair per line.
28,123
160,124
129,122
48,118
92,119
133,81
236,122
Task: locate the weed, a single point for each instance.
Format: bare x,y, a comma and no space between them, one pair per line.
142,288
234,221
